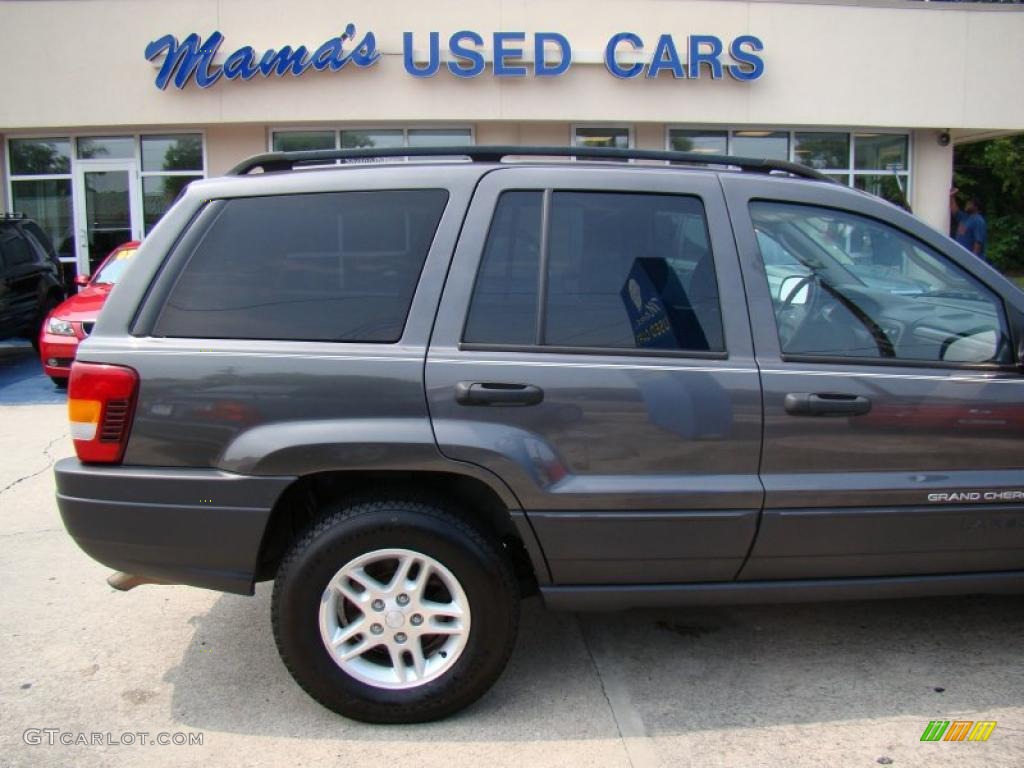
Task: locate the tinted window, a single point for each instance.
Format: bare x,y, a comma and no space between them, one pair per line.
848,286
341,266
17,251
631,271
43,239
626,271
504,305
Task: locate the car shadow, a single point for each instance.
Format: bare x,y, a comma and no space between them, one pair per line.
680,670
22,381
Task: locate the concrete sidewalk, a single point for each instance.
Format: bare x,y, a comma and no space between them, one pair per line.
850,684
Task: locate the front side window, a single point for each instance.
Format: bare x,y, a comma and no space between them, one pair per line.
621,271
847,286
340,266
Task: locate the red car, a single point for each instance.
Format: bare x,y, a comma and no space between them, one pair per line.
72,320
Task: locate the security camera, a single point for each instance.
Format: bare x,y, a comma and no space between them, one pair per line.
943,139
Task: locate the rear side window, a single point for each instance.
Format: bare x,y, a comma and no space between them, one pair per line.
339,266
504,308
621,271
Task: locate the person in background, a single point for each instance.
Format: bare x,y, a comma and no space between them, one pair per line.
968,225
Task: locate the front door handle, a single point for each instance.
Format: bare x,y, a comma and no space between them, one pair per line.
497,393
826,404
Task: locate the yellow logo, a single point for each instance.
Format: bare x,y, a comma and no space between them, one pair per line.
958,730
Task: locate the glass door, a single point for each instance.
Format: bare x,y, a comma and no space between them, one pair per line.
107,210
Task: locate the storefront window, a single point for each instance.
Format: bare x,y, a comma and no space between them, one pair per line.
889,187
106,148
374,139
48,201
169,163
41,187
701,142
880,160
887,155
880,152
602,136
822,150
183,152
158,193
439,137
300,141
364,138
770,145
30,157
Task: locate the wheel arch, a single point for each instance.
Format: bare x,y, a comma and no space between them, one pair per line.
494,512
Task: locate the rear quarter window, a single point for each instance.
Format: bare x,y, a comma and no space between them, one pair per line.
338,266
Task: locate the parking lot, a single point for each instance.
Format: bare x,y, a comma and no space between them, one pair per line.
848,684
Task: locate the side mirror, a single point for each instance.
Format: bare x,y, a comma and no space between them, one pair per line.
82,280
788,285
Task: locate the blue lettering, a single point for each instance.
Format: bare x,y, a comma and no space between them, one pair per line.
366,53
330,55
540,66
241,64
459,51
609,55
697,57
433,58
185,59
503,52
755,62
280,62
666,57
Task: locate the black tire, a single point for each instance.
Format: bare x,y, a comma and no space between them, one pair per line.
339,537
61,382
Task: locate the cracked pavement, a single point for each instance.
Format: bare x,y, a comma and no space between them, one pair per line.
845,684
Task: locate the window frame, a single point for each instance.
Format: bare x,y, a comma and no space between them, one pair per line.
548,193
1009,325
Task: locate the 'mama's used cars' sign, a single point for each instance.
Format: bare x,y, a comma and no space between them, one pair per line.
552,56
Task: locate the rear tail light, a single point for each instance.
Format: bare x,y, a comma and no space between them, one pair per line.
101,402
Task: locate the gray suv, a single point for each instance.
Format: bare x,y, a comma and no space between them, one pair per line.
412,393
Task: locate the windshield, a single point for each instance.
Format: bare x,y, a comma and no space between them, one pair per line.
111,271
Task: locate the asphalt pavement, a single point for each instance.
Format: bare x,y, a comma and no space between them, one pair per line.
99,672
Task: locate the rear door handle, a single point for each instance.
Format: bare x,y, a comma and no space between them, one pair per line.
497,393
826,404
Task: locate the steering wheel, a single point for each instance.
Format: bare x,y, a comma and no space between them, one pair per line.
815,288
810,281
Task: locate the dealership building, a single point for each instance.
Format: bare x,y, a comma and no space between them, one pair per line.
109,107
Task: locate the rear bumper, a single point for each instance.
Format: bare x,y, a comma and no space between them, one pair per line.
201,527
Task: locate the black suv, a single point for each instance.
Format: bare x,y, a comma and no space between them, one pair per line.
413,392
30,277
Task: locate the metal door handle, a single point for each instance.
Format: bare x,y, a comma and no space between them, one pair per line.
826,404
497,393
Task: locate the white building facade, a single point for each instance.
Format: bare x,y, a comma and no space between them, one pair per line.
873,93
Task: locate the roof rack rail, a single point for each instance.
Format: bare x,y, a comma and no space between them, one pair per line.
287,161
